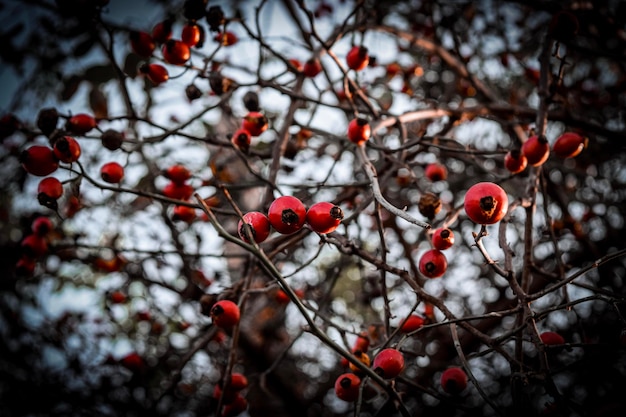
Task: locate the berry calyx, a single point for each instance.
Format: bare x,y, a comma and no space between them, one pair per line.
156,73
486,203
536,150
412,323
358,58
66,149
347,387
259,226
453,380
39,160
324,217
225,314
515,161
175,52
389,363
443,238
436,172
569,145
551,338
433,263
112,172
255,123
287,214
359,131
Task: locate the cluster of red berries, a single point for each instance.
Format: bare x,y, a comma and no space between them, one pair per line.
34,246
253,124
536,150
179,189
287,215
234,402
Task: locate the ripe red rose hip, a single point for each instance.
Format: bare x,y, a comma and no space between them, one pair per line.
436,172
324,217
178,191
359,131
433,263
443,238
156,73
112,172
191,35
184,213
41,226
162,31
358,58
39,160
225,314
241,139
175,52
49,190
569,145
486,203
453,380
66,149
312,67
347,387
142,43
34,246
226,38
287,214
259,226
515,161
412,323
178,174
255,123
551,338
81,123
388,363
536,150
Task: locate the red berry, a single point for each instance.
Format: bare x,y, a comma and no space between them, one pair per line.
184,213
66,149
226,38
41,226
412,323
178,191
436,172
162,31
362,342
142,43
34,246
388,363
237,406
255,123
156,73
175,52
259,226
443,238
551,338
287,214
178,174
241,139
39,160
25,266
357,58
238,382
347,387
433,263
453,380
359,131
225,314
49,191
296,64
191,35
80,123
536,150
117,297
486,203
112,172
515,161
569,145
133,362
324,217
312,67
